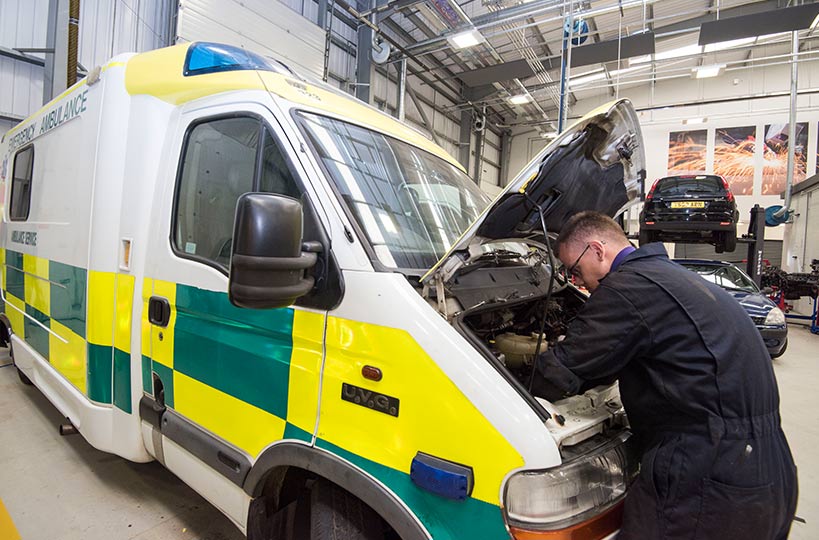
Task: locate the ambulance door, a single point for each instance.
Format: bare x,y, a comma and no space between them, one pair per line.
242,379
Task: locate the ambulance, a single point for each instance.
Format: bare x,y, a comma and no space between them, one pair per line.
306,310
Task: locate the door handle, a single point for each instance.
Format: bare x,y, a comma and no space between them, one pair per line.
159,311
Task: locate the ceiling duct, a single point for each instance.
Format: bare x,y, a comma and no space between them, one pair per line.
607,51
759,24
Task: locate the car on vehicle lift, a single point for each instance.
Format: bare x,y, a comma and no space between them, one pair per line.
692,209
768,318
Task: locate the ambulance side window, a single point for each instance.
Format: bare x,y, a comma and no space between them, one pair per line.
23,169
223,158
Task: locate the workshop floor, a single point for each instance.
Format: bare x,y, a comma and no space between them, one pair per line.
59,488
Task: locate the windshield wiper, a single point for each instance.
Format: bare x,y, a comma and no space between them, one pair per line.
740,289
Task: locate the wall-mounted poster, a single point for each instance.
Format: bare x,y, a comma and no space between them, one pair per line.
734,157
686,151
817,155
775,157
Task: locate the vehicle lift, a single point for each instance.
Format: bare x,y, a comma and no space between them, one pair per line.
787,286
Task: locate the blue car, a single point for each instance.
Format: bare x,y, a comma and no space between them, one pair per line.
768,318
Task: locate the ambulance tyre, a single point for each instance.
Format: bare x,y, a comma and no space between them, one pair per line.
23,378
337,515
7,341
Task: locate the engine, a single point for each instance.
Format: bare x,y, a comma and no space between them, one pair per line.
512,333
506,310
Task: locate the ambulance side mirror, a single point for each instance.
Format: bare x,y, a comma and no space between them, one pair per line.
269,263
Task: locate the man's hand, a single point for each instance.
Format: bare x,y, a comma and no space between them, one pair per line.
553,381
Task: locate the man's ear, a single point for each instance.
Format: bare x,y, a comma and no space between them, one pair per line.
597,247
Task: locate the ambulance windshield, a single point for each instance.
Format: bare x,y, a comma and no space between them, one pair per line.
411,205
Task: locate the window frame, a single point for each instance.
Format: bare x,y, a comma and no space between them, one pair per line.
17,154
263,125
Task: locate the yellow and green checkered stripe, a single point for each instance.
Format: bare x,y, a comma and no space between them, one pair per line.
70,321
251,378
248,376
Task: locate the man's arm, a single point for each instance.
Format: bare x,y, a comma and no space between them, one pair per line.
606,335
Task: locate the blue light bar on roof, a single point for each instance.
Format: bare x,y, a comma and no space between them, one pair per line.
204,57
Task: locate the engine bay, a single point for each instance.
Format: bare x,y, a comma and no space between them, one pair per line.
508,308
504,308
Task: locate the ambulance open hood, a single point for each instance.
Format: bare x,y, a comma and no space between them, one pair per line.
596,164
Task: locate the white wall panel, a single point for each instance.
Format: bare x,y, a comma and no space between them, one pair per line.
108,28
266,27
341,64
490,154
21,86
344,31
6,125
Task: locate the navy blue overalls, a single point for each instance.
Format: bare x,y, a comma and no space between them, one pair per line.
698,387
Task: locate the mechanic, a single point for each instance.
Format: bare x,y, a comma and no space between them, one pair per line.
696,382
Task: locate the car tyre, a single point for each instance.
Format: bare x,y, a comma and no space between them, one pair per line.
780,353
646,237
335,514
729,241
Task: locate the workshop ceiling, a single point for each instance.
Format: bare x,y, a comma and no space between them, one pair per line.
520,46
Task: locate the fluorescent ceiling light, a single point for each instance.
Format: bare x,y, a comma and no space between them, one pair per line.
467,38
690,121
688,50
520,99
600,75
703,72
693,50
722,45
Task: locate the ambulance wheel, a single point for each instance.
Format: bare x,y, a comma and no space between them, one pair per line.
23,378
20,374
337,515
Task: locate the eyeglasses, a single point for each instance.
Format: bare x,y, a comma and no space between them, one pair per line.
573,268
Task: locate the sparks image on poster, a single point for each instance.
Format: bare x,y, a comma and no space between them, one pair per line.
734,157
775,157
686,152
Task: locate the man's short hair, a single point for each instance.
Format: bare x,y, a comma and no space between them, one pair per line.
584,225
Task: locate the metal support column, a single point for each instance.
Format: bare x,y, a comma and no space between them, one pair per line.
782,212
321,19
465,138
505,156
479,142
364,62
424,117
55,73
756,244
326,22
402,88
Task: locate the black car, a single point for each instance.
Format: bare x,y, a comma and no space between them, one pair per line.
692,209
768,318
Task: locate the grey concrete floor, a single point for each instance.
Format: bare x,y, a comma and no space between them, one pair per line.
59,488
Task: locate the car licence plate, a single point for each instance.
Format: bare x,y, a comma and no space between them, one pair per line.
688,204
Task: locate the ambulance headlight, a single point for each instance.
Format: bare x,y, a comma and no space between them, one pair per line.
775,317
579,494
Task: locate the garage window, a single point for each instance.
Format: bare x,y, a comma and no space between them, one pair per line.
22,170
223,159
